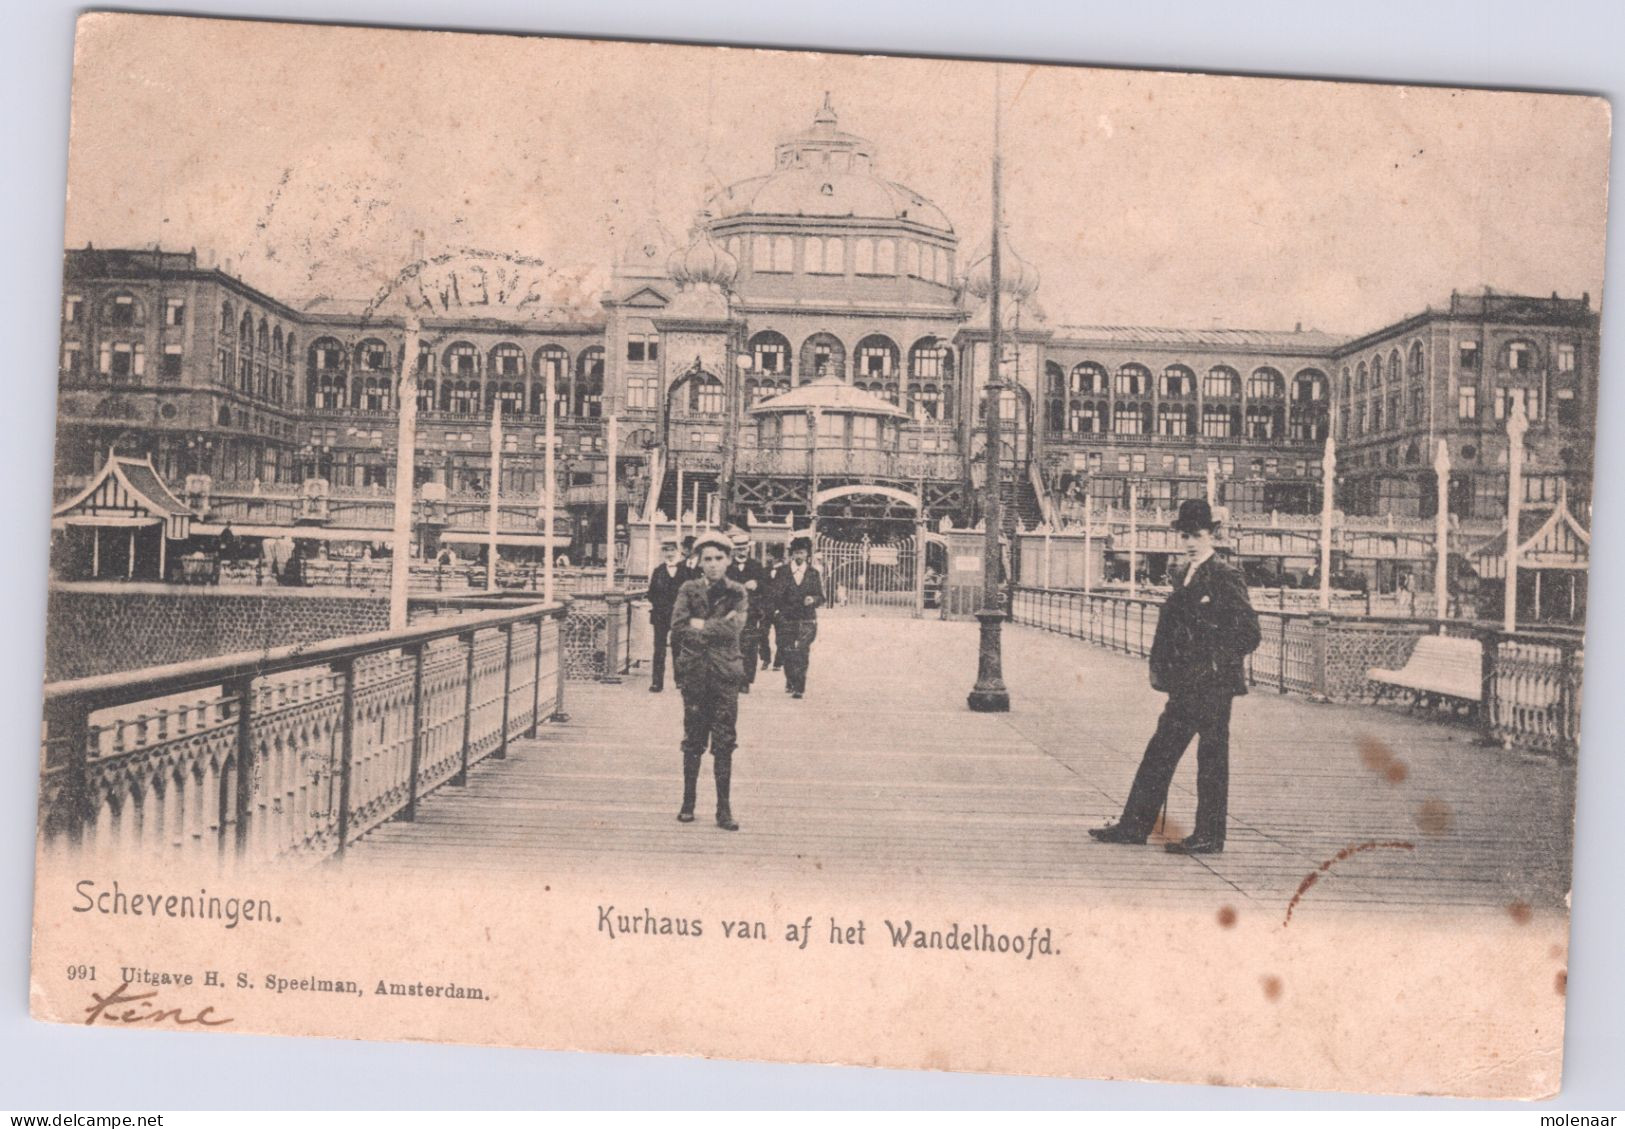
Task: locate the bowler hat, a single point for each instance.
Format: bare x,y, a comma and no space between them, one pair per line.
801,543
1194,514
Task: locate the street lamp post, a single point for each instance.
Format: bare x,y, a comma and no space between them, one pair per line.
990,694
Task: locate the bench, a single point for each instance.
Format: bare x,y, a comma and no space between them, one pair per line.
1440,669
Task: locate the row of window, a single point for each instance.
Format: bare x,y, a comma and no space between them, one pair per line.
461,359
1221,382
1215,421
123,309
121,361
1516,356
839,255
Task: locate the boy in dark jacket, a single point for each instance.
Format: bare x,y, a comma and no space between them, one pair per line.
707,619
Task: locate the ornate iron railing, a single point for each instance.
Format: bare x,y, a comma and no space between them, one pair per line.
296,752
1530,684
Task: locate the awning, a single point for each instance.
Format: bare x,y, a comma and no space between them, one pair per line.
126,493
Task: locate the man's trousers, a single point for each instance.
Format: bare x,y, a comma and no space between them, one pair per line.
796,650
1207,717
710,717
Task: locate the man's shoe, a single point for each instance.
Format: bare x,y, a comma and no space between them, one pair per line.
727,822
745,689
1116,833
795,693
1195,845
767,664
655,689
686,816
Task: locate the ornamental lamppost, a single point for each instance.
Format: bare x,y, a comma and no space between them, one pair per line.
990,695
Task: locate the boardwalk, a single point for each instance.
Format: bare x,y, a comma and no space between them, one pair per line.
881,778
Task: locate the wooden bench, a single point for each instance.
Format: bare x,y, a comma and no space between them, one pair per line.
1441,669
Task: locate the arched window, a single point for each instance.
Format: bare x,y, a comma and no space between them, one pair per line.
587,399
507,362
875,366
930,359
822,354
264,339
770,355
1221,383
1177,383
1265,384
325,379
1054,380
1346,392
245,331
1088,379
1133,380
704,394
1309,387
227,319
1416,359
554,361
276,343
1376,371
1359,377
372,355
1394,369
462,362
925,401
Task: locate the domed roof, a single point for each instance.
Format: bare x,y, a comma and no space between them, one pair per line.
824,172
829,394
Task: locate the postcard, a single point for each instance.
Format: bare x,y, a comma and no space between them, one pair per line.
904,562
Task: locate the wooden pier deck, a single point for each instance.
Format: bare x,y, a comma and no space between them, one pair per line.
881,778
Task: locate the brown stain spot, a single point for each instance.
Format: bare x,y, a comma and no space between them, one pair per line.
1555,952
1167,832
1380,760
1434,817
1272,987
1561,982
1227,916
1520,912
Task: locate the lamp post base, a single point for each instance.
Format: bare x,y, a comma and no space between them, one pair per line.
989,694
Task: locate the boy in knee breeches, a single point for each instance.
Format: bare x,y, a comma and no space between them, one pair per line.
707,619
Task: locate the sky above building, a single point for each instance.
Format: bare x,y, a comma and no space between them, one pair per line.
319,161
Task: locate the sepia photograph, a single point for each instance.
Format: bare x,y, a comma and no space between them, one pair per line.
889,560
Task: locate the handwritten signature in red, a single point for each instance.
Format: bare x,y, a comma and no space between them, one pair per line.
138,1008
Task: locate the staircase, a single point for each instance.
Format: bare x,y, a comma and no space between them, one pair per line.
1019,504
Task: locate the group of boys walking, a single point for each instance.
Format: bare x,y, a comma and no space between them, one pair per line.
715,605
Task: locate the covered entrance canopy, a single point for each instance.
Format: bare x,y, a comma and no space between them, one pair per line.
127,503
1554,552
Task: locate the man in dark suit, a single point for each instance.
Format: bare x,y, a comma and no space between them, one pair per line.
664,582
746,570
1206,628
770,611
796,597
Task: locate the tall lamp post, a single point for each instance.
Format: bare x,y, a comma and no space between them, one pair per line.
990,694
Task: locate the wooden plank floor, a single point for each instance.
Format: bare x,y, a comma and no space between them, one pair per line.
882,778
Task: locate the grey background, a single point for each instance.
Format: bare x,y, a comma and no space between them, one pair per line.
1550,46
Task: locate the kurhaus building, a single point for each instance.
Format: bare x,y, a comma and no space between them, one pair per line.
819,343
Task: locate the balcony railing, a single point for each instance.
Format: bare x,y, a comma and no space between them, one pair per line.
1531,681
858,462
296,752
